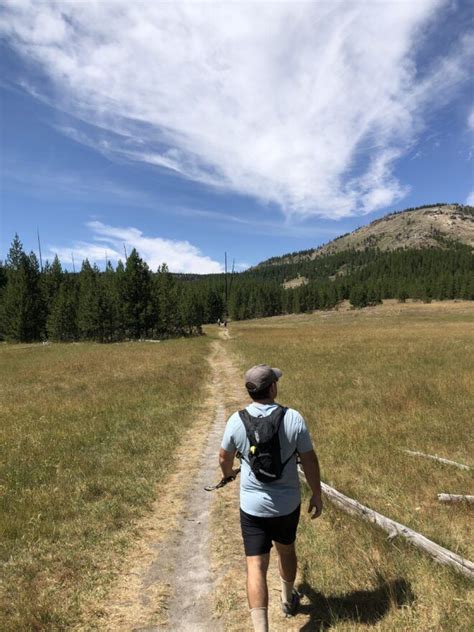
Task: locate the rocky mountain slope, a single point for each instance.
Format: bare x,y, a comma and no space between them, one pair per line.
421,227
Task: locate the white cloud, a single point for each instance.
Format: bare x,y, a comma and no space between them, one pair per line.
470,120
307,105
109,242
470,199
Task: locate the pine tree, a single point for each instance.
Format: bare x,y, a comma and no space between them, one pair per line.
214,306
323,297
235,302
136,296
11,303
118,290
3,276
22,310
314,297
358,296
165,298
330,296
373,295
427,293
15,254
296,305
89,308
305,305
192,309
286,302
467,287
62,319
110,313
51,280
402,294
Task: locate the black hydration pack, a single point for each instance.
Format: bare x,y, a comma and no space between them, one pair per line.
264,456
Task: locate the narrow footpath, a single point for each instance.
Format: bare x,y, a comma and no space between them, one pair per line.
187,571
167,583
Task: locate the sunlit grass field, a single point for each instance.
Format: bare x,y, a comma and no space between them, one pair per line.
86,433
371,383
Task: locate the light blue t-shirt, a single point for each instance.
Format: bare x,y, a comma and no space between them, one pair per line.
280,497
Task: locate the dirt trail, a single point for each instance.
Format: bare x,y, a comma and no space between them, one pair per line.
191,606
166,582
189,558
228,561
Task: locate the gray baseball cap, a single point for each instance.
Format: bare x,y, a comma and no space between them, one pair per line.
260,376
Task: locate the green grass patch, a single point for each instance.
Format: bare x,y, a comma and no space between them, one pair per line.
371,383
86,433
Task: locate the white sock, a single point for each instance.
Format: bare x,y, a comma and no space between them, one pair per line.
259,619
286,590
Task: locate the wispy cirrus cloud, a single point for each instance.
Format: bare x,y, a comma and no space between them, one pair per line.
109,242
46,183
470,120
306,105
253,225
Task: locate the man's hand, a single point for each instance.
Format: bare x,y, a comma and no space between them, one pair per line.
233,473
315,503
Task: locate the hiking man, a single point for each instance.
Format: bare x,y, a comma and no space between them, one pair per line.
268,437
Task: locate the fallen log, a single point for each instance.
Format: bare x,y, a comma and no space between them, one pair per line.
455,498
461,466
394,529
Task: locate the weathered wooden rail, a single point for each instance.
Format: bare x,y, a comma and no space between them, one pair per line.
440,459
394,529
455,498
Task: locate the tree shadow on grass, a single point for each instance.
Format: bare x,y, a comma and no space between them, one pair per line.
361,606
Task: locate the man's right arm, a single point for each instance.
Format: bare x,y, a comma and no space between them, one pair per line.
226,461
310,465
227,451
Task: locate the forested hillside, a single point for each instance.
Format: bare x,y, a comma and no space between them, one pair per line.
364,277
419,227
131,302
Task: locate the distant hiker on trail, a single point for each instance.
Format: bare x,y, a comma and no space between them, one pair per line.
269,436
218,322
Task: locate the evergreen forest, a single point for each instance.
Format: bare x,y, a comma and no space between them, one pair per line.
131,302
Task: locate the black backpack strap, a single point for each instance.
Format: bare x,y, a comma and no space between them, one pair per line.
246,418
278,416
278,413
288,460
283,410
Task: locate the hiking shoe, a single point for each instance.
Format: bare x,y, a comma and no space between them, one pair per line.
290,609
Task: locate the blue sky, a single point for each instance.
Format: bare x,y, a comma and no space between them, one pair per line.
188,130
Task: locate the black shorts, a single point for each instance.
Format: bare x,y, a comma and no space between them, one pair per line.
259,533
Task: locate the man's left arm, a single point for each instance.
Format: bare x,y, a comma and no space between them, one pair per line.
310,465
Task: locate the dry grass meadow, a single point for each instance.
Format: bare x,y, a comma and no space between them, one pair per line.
87,436
371,383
